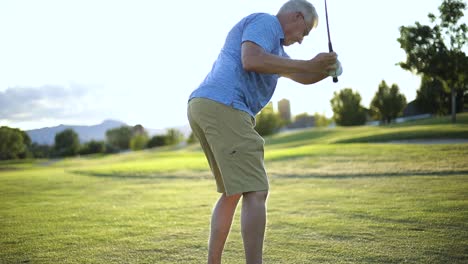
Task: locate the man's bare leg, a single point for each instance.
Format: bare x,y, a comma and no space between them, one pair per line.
253,222
221,221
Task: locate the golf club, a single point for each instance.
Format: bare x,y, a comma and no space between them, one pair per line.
330,47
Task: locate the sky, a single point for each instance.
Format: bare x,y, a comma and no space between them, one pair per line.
81,62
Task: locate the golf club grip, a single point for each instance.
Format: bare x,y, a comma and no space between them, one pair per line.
330,48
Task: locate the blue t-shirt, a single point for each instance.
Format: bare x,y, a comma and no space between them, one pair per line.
228,83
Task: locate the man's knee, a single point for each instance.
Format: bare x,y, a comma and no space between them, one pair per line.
258,196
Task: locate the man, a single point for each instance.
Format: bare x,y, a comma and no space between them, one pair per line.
222,110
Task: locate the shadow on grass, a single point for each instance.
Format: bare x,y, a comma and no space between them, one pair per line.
407,135
371,175
206,175
9,168
168,176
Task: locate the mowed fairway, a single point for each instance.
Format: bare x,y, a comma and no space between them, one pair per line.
330,202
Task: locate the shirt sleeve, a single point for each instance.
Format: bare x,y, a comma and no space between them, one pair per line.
261,30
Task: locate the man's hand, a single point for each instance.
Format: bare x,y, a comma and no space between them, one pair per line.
318,68
337,71
324,62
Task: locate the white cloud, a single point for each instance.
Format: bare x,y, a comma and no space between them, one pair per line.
45,102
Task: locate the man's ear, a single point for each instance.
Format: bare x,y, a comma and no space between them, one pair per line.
298,15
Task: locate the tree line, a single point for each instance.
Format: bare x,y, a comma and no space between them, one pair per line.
16,144
387,104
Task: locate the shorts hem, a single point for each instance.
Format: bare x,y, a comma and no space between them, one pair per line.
259,189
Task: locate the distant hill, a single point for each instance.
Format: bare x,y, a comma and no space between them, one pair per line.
46,135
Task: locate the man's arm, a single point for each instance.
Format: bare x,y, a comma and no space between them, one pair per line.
254,58
306,78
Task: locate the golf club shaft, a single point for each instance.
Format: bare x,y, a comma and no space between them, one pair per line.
330,47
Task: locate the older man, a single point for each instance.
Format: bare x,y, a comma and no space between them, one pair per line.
222,110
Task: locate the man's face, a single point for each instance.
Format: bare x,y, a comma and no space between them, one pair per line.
297,30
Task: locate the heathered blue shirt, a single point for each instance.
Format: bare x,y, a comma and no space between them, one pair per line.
228,83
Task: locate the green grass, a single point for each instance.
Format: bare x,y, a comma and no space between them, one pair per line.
431,128
329,203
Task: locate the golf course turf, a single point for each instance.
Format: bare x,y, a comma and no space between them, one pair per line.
337,195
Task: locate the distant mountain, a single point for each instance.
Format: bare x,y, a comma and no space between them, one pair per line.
46,135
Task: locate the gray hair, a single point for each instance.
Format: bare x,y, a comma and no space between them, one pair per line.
306,9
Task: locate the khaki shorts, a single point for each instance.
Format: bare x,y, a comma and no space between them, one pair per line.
233,148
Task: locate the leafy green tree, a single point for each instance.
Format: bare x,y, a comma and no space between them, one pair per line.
436,51
119,138
138,142
192,139
139,130
347,109
321,120
139,138
12,143
93,147
41,151
156,141
388,103
431,97
174,137
66,143
268,122
27,153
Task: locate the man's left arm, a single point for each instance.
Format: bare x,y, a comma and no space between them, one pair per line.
306,78
313,77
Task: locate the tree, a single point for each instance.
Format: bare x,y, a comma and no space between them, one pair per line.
93,147
174,137
268,122
347,109
192,138
139,130
436,51
139,138
27,153
13,143
321,120
431,97
66,143
388,103
41,151
138,142
119,138
156,141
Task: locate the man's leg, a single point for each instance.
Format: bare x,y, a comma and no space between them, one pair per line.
253,222
221,221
